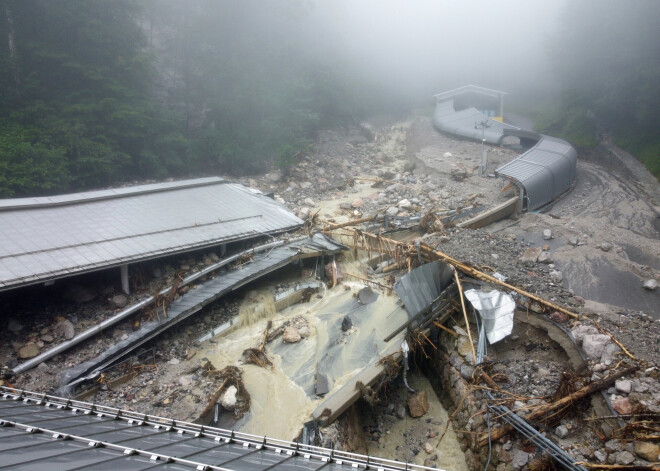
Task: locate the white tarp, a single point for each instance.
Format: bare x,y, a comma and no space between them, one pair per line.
496,309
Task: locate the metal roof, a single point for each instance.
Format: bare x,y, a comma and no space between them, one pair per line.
469,89
463,123
545,171
39,432
53,237
194,300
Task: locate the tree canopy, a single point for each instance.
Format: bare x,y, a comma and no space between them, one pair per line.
607,59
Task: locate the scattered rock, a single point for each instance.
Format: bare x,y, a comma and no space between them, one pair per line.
545,257
622,405
624,458
605,246
519,458
579,332
530,255
47,338
291,335
119,300
229,399
650,284
401,412
558,317
600,455
28,351
304,331
561,431
392,211
623,386
64,329
404,204
418,404
346,324
173,361
556,276
648,451
428,448
358,203
191,353
547,234
594,345
467,371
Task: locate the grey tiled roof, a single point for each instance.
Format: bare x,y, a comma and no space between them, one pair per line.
52,237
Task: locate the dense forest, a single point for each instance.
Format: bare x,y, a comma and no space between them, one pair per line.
98,92
606,57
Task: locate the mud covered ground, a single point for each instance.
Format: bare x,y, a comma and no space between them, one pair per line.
603,245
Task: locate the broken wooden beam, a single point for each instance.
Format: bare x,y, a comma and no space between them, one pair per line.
541,410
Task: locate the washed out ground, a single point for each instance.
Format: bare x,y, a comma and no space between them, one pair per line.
600,247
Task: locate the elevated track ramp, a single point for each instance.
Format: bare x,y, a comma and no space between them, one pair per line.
542,173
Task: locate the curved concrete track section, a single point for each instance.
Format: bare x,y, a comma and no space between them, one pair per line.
542,173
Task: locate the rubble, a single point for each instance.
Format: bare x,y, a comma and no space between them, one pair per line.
529,366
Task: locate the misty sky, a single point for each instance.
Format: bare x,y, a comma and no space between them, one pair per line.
426,46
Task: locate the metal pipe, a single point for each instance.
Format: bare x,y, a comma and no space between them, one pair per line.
134,308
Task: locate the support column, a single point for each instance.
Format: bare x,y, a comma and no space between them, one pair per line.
124,279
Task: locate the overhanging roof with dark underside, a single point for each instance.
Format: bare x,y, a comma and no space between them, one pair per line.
46,238
39,432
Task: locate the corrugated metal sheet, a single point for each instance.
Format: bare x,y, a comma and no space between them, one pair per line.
39,432
462,123
421,286
195,299
52,237
545,171
469,89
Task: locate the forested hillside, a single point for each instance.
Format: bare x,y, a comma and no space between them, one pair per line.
102,92
606,57
97,92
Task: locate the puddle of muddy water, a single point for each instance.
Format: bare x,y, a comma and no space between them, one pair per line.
282,398
399,434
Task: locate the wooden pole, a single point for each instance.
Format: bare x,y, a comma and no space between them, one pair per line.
467,322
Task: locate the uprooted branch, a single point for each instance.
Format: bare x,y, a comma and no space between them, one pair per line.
257,356
559,404
375,242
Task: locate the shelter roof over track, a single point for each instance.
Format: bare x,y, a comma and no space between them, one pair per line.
43,432
46,238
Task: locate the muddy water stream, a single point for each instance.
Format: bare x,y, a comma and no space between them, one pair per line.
283,397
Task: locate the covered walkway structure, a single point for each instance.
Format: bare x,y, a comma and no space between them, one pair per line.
542,173
47,238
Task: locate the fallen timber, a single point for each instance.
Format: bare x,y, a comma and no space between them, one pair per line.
375,243
540,411
194,300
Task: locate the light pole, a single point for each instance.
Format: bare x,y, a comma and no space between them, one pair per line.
483,125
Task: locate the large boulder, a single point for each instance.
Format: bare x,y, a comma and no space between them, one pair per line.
229,399
648,451
418,404
64,329
28,351
594,345
291,335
